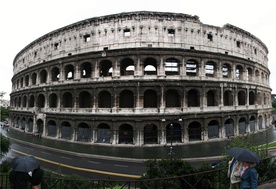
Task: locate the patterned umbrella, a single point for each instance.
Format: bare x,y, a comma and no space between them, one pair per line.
24,164
243,154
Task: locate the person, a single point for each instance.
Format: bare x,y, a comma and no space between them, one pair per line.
21,180
234,170
249,176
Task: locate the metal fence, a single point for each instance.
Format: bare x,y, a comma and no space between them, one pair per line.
212,179
209,180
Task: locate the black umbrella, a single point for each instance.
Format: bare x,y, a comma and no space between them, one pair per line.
24,164
243,154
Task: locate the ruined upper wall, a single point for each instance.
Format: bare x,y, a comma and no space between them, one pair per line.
141,29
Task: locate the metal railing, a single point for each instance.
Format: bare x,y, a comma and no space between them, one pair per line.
209,180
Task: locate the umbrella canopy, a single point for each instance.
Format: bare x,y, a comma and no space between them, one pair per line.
243,154
24,164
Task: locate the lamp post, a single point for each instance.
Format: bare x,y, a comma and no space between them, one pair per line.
171,151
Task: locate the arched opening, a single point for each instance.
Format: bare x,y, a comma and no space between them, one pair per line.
229,127
67,100
213,129
150,134
126,99
150,99
150,67
260,122
226,71
104,133
211,101
251,98
194,131
83,132
66,130
210,69
69,72
228,98
23,123
24,101
125,134
30,125
127,67
86,70
39,124
173,133
85,100
172,99
40,101
105,68
252,123
53,100
51,128
43,76
55,74
239,72
104,99
191,68
27,80
31,101
241,98
242,125
171,66
193,98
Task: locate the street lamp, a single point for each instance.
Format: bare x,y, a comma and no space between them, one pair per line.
171,151
171,130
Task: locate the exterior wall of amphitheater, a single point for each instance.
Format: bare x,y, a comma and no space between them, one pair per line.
142,78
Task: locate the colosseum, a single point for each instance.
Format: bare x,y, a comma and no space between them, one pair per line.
142,79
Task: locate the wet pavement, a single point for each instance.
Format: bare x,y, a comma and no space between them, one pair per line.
191,150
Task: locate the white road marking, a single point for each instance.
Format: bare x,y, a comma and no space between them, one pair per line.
94,162
65,157
116,165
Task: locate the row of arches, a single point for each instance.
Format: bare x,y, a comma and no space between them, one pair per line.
150,98
147,133
150,66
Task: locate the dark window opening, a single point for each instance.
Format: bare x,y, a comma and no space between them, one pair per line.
238,44
126,99
192,48
87,38
210,36
126,32
56,45
150,99
171,32
104,100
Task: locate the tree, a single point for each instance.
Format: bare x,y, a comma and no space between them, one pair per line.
4,113
5,145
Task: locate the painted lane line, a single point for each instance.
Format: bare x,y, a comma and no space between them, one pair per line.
94,162
46,153
81,169
66,157
117,165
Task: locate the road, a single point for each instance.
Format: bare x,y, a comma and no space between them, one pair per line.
67,162
87,165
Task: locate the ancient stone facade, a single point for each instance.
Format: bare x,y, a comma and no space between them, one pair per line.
142,78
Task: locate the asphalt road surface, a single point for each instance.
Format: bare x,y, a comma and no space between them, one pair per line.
90,166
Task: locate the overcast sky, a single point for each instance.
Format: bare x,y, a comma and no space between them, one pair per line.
23,21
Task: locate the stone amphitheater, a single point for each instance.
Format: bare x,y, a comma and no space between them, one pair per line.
142,79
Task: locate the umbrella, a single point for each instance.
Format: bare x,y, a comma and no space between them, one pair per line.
24,164
243,154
